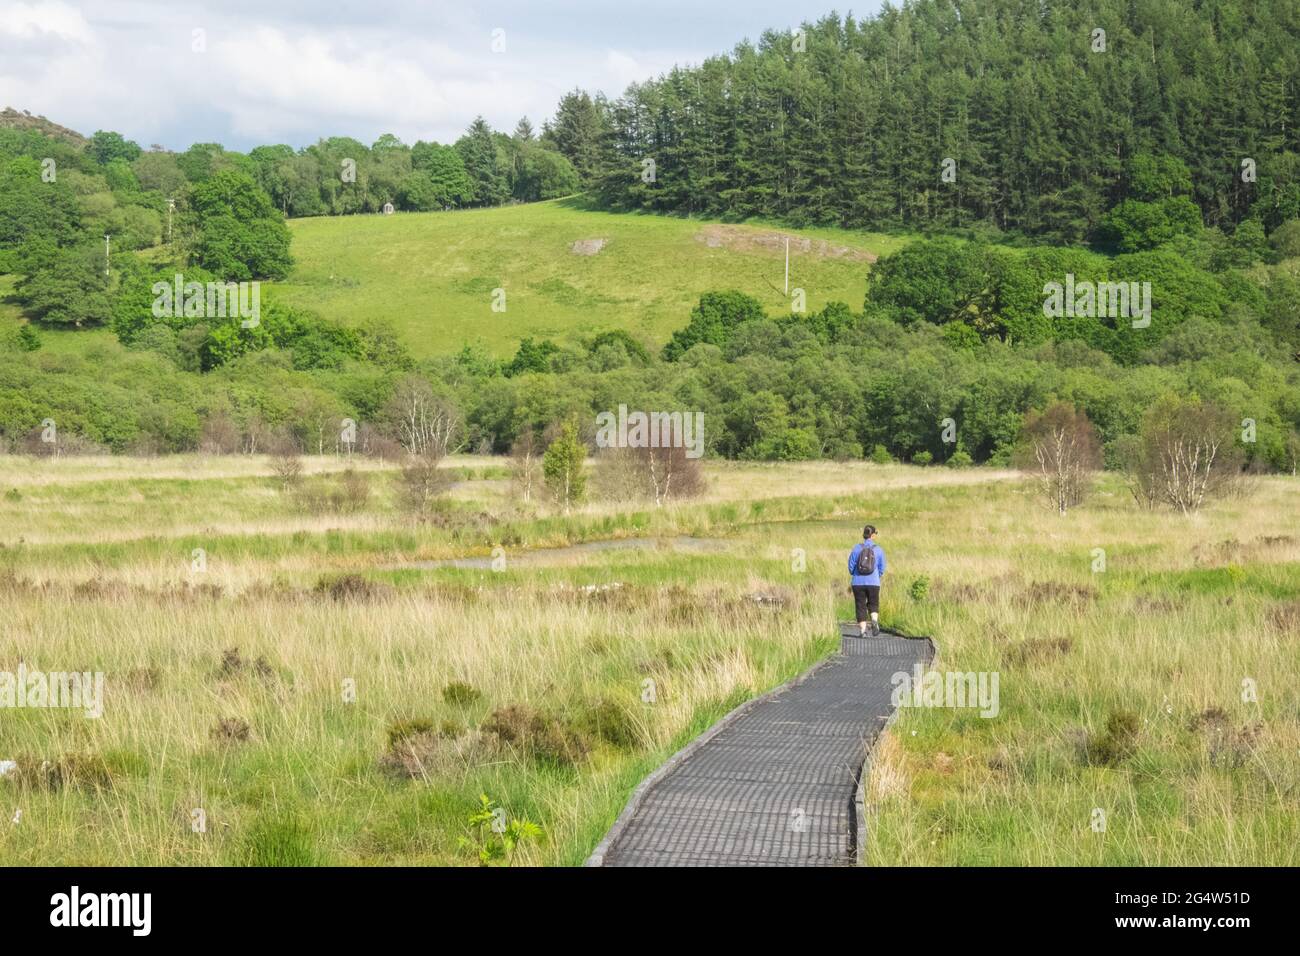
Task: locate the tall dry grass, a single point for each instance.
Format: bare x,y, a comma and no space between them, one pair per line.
97,573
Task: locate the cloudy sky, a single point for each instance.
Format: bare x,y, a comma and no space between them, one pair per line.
244,72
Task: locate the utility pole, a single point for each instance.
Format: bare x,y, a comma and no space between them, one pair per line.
171,208
106,255
787,265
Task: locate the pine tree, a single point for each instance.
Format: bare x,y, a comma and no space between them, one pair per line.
853,127
486,169
577,130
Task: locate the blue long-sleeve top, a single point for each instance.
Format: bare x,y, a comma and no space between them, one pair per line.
853,563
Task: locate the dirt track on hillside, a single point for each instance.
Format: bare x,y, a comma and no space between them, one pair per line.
742,239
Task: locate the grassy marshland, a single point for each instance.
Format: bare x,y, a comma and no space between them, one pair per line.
1120,690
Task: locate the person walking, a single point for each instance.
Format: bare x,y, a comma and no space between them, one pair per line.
866,569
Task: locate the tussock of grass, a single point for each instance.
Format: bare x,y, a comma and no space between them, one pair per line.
538,735
460,693
88,772
615,722
350,587
1116,743
278,841
420,749
1039,649
231,730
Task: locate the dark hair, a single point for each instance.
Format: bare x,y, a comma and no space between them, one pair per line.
868,531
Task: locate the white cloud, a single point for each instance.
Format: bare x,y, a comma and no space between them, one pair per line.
295,70
624,69
38,20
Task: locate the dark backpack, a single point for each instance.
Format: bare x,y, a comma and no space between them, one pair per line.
866,560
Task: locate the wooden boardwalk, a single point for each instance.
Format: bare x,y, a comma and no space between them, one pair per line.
776,781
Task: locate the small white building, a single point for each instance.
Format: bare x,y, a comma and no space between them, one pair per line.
388,209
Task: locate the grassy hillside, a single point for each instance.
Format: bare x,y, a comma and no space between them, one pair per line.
432,274
54,340
11,118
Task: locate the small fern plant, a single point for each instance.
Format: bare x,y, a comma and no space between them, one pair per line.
494,837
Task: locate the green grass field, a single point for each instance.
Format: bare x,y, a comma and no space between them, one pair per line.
225,682
433,274
54,340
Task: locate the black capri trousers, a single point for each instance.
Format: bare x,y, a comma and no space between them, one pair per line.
866,598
